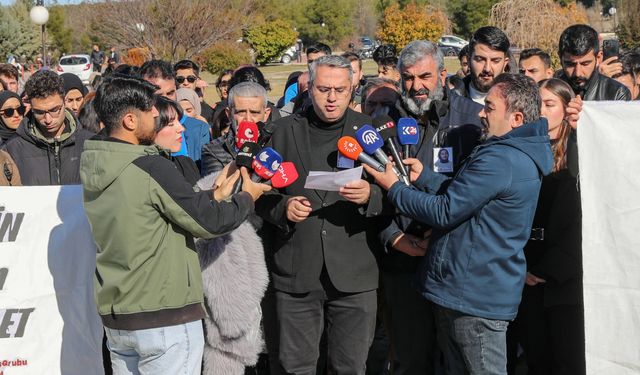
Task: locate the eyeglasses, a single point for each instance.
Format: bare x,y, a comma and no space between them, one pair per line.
9,112
339,91
54,112
191,79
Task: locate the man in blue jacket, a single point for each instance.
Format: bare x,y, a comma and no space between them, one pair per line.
474,269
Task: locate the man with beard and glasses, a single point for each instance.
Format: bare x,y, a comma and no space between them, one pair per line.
488,58
580,55
445,120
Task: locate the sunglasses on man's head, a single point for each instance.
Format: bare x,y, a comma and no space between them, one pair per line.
9,112
191,79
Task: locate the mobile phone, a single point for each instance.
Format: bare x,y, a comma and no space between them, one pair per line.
610,48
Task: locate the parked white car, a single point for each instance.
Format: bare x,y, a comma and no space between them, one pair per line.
79,65
452,40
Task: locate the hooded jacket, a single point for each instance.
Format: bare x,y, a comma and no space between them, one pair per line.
481,220
143,216
48,161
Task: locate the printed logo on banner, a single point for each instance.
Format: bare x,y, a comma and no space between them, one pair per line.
5,363
10,223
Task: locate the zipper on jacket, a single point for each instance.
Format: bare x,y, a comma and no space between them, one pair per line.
56,156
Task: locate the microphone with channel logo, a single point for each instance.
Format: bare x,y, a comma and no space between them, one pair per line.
408,134
286,175
371,142
247,132
265,164
387,129
245,156
349,147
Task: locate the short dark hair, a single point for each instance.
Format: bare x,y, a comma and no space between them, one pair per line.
249,74
43,84
187,64
164,107
318,47
521,94
531,52
385,54
352,56
9,71
118,94
630,64
578,40
490,36
157,69
464,51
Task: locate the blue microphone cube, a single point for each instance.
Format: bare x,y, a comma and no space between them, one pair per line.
269,158
408,133
369,139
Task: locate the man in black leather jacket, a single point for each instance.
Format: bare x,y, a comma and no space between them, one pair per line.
579,55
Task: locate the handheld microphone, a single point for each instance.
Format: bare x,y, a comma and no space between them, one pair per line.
265,164
284,176
372,143
247,132
349,147
245,159
408,134
266,131
387,129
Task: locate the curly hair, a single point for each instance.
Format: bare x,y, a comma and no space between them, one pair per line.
43,84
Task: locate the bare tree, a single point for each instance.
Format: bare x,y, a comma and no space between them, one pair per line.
170,29
535,23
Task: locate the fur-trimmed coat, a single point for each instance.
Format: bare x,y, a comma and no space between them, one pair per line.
235,278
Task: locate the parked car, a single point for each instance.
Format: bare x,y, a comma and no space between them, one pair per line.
79,65
367,46
289,55
448,50
453,41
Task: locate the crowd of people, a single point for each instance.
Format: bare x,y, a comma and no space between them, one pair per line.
470,264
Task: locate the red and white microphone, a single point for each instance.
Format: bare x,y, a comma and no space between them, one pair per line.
247,132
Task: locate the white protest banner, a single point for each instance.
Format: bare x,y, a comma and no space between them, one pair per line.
48,318
609,152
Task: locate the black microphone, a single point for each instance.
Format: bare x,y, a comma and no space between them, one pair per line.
245,159
387,129
266,131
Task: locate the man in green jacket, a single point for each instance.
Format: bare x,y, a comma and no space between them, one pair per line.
144,215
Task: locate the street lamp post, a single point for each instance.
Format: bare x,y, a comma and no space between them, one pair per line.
612,12
40,15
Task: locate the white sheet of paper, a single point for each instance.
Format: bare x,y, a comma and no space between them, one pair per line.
332,181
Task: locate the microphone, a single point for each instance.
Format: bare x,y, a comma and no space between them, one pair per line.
266,131
407,134
284,176
247,132
349,147
386,127
372,143
245,159
265,164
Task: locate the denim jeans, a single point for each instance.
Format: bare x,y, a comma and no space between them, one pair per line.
471,345
165,350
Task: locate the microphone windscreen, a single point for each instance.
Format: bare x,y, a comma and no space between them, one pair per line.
385,126
247,132
245,156
369,139
286,175
408,131
349,147
266,163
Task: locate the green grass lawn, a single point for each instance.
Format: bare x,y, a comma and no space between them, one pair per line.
277,75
